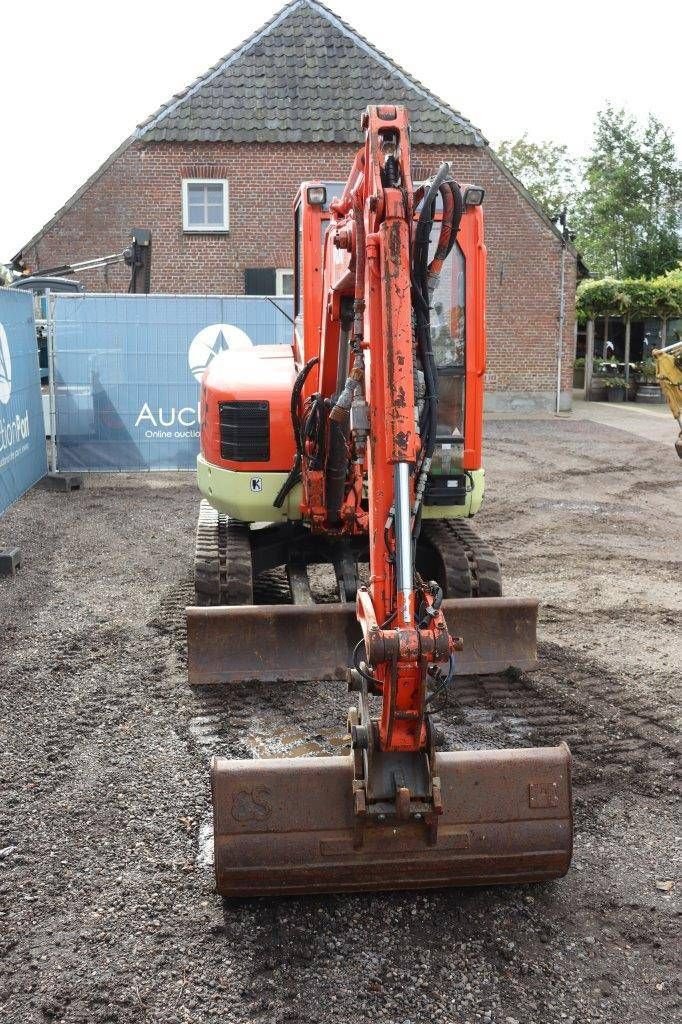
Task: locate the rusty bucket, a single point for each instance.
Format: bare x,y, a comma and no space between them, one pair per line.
281,643
286,825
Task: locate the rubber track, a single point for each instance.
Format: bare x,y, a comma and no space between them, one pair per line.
237,583
484,566
471,568
223,573
207,566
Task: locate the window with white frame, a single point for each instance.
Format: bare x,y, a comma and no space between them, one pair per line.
205,204
284,283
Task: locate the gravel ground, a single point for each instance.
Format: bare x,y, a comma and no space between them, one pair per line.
106,904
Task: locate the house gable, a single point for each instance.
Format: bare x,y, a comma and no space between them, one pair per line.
305,76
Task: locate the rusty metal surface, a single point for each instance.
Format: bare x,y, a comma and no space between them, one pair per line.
285,825
280,643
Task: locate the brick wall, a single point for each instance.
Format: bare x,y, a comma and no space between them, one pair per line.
142,188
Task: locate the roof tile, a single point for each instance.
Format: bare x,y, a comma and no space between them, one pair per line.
306,76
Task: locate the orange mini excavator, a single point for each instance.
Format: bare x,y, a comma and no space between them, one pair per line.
361,443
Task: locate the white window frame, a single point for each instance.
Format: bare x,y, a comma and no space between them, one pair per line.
279,283
203,229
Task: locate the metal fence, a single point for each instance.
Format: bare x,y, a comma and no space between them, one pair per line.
22,437
126,370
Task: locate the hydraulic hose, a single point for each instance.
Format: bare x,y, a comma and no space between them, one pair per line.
336,471
359,294
295,473
420,301
424,281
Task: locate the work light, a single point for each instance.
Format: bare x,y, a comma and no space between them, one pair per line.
473,195
317,195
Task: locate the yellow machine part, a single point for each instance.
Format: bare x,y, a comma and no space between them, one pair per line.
248,496
669,376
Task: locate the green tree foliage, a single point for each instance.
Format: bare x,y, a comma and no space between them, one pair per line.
545,168
628,214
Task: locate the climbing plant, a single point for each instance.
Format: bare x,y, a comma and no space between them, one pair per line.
637,297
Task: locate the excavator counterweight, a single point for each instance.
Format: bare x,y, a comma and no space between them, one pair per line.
359,448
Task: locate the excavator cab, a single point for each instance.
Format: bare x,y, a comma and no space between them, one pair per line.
359,446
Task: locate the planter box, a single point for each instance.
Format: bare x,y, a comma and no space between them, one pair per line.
650,393
597,392
579,377
615,394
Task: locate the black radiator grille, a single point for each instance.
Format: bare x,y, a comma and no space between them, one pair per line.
245,431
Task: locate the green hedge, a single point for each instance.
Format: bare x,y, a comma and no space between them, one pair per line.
635,297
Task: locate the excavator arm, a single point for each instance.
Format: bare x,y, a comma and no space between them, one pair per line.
404,632
137,256
402,626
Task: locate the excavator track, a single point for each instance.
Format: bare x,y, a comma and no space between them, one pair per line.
484,567
467,565
223,572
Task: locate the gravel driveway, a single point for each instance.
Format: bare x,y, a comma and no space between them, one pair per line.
107,907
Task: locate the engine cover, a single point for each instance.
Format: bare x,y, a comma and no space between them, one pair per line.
247,440
246,409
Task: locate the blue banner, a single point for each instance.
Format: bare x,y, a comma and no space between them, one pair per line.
127,372
23,456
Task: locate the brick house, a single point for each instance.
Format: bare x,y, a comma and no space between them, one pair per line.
213,174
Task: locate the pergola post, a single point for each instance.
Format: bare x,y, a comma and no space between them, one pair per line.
589,357
627,354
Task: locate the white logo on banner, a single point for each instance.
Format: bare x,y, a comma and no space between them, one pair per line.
17,430
212,340
5,368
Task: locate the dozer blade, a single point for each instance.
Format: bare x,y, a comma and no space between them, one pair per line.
280,643
286,825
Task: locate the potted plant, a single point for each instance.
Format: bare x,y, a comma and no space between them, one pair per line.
648,388
579,373
615,388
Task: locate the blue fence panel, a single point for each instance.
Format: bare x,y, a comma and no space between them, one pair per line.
127,369
23,457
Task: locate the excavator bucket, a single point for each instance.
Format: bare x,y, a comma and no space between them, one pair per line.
286,643
287,826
